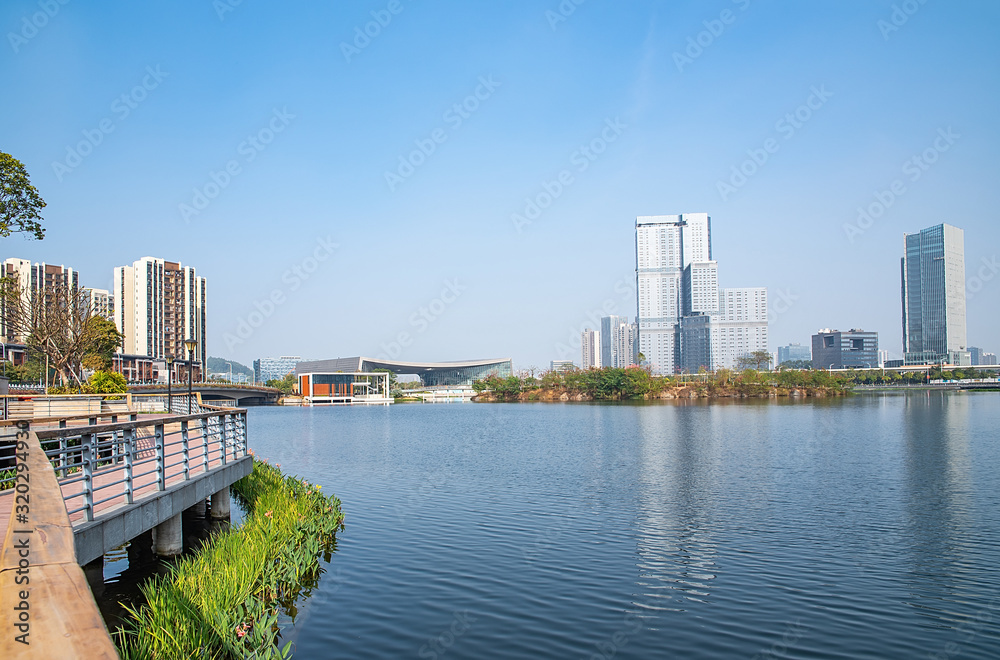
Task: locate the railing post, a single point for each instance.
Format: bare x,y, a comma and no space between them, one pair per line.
204,442
128,442
186,455
161,472
242,437
88,445
224,435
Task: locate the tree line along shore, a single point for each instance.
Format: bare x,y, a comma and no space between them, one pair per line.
637,383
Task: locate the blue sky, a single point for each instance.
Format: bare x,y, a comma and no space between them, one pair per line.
432,265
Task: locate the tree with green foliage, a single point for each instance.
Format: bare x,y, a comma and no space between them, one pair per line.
105,341
20,202
286,384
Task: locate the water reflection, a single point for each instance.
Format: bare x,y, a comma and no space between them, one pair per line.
677,502
938,500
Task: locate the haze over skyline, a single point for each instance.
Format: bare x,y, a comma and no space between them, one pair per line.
612,111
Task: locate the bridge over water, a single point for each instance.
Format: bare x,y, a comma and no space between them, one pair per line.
73,487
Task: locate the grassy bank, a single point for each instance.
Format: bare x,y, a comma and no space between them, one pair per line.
224,601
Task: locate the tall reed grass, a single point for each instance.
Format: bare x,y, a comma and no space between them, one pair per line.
224,601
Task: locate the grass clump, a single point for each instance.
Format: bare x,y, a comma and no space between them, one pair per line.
224,601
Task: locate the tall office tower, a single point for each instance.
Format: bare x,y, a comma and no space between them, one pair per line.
740,327
34,279
933,277
664,246
609,340
590,347
159,304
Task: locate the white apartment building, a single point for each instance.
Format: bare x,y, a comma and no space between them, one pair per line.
590,348
740,327
33,279
157,305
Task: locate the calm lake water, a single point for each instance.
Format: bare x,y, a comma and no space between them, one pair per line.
857,528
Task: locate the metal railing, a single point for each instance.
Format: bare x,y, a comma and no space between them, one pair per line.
103,466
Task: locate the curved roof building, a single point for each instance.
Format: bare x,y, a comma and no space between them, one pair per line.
432,374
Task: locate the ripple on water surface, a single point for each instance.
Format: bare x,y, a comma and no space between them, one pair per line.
867,527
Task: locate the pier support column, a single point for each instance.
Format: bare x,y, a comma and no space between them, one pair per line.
95,575
169,537
197,510
220,504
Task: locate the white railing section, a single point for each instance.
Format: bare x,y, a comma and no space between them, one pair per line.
104,466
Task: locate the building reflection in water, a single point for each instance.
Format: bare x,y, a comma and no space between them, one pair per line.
680,456
938,507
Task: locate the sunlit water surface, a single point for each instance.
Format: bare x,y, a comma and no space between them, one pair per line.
865,527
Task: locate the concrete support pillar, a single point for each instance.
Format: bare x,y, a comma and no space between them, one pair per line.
220,504
95,575
140,549
198,509
169,537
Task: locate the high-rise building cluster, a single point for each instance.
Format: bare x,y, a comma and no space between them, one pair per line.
686,321
157,306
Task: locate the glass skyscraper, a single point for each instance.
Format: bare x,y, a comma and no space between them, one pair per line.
933,275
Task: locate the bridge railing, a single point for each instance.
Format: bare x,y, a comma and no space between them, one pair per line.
103,466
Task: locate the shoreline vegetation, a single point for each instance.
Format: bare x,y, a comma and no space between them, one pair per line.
637,384
223,602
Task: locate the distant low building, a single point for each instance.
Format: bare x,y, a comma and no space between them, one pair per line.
274,368
793,352
855,349
562,366
988,360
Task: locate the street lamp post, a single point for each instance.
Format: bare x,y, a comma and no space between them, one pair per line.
170,372
190,345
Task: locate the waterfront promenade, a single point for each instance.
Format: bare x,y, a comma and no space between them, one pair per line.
85,485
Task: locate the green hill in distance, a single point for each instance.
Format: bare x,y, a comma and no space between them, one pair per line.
217,365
